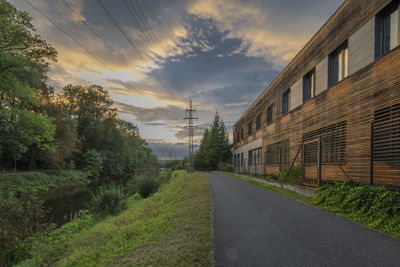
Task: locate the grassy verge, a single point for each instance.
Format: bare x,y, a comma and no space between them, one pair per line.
170,228
39,181
273,188
373,206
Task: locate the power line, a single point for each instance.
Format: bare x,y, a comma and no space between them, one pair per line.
73,39
118,27
113,20
98,35
136,20
145,29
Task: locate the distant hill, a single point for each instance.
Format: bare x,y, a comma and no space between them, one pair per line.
165,151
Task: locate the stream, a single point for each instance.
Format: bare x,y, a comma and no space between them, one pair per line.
65,204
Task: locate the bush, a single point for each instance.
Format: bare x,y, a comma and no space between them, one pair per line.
147,185
373,205
229,168
93,163
294,175
108,200
19,219
273,177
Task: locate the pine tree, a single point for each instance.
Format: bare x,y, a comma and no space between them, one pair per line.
214,147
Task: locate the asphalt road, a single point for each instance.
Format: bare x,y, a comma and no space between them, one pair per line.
257,227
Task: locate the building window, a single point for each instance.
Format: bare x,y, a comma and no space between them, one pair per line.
241,134
255,157
338,64
241,160
250,128
387,29
270,113
309,85
250,156
285,102
258,122
278,153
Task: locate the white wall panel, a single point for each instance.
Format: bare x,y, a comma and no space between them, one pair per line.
361,47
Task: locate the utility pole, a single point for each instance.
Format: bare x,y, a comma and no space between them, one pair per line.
189,125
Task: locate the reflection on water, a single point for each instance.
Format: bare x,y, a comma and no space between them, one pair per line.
66,204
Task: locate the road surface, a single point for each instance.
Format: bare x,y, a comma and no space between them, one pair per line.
257,227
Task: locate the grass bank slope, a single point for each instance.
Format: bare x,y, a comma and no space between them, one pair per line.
170,228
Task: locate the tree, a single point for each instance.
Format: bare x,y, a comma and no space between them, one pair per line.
93,163
90,106
24,63
214,147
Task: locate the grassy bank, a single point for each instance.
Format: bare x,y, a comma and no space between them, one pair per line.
373,206
170,228
40,181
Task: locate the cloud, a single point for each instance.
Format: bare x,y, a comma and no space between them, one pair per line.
236,104
167,114
155,123
272,29
220,53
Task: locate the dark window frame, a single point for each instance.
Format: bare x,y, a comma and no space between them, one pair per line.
258,122
334,66
381,28
309,85
270,113
286,104
250,128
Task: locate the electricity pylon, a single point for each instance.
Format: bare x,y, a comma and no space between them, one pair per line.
190,126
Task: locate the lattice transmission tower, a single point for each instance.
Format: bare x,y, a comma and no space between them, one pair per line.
190,126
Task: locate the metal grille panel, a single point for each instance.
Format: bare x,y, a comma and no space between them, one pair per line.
278,153
387,134
333,143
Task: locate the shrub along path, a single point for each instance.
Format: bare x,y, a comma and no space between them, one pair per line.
258,227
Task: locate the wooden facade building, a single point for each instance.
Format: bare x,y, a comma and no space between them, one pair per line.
336,106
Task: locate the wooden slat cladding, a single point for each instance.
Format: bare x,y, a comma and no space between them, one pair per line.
355,100
346,20
358,99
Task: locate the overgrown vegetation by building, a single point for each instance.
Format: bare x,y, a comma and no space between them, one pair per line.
375,206
170,228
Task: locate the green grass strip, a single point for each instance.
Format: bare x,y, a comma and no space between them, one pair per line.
279,190
170,228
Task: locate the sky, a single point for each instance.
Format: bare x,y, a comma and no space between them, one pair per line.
153,56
